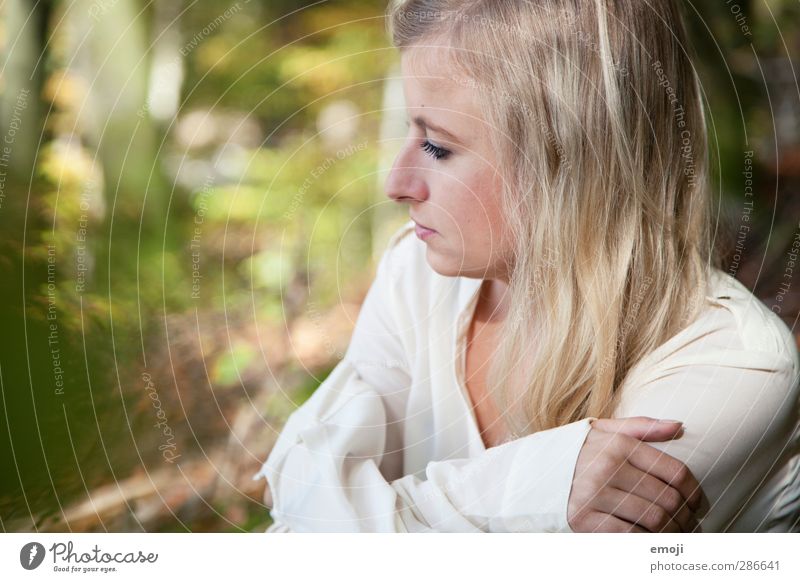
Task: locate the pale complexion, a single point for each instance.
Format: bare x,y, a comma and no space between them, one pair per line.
446,173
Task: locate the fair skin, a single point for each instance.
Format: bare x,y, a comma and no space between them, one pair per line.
450,184
481,343
456,194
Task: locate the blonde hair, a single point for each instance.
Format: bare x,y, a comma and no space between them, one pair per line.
601,140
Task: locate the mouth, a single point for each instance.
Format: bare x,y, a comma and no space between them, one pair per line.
423,232
422,226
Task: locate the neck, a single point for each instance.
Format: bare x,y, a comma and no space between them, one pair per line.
493,300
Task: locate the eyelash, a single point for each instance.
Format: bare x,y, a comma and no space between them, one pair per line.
433,151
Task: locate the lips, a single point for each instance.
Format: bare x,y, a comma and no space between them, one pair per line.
424,233
423,226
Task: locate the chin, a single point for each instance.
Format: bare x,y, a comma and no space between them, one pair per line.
448,266
444,266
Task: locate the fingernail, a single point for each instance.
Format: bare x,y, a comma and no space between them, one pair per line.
671,421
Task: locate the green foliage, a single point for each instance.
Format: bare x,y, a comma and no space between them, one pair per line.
281,66
180,277
227,368
146,274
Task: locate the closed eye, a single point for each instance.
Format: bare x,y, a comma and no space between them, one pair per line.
435,152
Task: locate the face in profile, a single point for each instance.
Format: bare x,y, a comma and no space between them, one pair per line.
446,170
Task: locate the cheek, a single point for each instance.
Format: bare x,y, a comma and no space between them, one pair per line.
487,209
491,224
481,222
474,197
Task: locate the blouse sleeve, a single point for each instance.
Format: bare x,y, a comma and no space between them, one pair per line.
324,473
336,465
737,398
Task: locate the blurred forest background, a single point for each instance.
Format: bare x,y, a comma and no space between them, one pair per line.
191,207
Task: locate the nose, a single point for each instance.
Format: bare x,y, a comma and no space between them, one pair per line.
405,182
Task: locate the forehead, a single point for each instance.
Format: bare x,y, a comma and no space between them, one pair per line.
432,80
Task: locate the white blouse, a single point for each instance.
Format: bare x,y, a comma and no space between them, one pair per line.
389,442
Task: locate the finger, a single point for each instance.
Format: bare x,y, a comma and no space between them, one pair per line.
633,480
669,469
641,427
636,510
597,522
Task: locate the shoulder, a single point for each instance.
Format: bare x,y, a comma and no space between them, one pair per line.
417,296
403,259
758,329
734,330
393,311
401,285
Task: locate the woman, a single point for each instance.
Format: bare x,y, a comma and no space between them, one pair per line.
561,294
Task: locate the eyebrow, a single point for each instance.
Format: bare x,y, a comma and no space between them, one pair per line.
422,123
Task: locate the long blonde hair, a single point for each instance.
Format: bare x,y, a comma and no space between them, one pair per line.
601,140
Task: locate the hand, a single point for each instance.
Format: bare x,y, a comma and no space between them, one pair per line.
624,485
